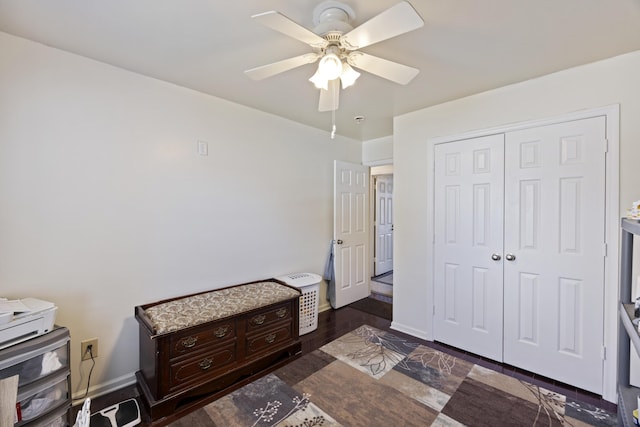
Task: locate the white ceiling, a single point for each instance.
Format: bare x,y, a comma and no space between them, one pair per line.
465,47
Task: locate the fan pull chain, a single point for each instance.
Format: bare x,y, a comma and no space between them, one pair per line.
333,122
333,112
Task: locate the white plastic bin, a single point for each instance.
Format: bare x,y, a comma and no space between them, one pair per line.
309,284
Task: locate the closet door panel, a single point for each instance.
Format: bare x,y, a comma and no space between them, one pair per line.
554,231
469,191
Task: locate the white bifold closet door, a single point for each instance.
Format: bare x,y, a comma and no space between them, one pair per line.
469,191
543,271
554,214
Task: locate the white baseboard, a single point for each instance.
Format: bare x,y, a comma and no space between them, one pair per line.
324,307
104,388
409,330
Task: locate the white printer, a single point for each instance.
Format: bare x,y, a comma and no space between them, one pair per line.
27,318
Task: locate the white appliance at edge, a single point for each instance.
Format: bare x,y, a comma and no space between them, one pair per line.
19,327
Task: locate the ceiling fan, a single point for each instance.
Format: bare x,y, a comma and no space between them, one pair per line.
336,45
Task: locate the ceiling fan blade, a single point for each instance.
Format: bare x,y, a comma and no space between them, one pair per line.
389,70
279,22
269,70
330,98
396,20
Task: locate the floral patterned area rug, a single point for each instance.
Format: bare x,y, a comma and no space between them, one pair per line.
371,378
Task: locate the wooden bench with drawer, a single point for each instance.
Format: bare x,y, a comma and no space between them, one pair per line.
194,349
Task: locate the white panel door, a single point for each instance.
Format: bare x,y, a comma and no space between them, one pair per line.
351,232
554,251
469,189
384,224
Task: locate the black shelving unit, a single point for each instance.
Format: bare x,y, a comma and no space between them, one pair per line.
627,332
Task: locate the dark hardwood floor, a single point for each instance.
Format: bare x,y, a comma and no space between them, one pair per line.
377,313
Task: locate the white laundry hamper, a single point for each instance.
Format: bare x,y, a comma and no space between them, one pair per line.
309,284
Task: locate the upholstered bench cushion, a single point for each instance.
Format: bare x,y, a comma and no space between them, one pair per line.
196,309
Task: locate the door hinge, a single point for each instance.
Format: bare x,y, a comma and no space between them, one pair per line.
434,310
603,353
606,250
606,145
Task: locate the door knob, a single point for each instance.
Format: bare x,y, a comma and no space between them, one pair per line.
510,257
496,257
339,242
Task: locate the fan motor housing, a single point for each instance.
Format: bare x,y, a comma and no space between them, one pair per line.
332,17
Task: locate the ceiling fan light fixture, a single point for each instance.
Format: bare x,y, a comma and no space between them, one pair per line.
319,81
348,76
330,66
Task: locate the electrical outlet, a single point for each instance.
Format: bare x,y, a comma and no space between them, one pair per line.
87,345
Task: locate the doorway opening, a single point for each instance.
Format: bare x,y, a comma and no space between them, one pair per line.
382,287
382,232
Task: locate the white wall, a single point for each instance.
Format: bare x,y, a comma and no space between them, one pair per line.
105,203
377,151
613,81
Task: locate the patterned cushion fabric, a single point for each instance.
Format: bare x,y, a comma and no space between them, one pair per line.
194,310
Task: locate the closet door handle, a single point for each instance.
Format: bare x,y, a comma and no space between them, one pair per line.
496,257
510,257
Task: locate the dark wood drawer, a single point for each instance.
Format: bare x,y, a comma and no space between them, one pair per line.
265,318
202,365
187,343
271,339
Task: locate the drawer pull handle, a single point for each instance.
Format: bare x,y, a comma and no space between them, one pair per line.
221,331
189,342
259,320
206,364
270,338
281,313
